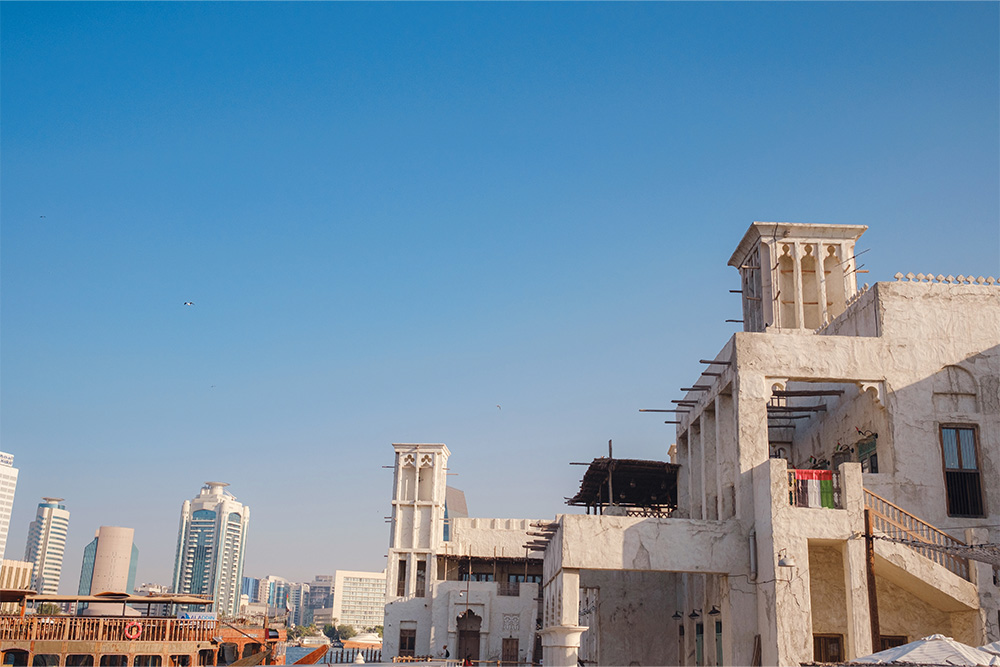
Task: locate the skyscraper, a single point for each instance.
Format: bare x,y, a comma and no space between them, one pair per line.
47,544
210,547
8,482
109,562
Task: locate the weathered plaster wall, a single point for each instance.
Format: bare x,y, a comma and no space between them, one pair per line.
489,537
902,613
503,616
633,543
827,592
633,613
853,410
859,319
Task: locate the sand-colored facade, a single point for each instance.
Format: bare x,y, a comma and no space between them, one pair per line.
894,389
455,584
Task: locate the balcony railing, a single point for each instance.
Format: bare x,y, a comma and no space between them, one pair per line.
815,488
74,628
509,588
896,523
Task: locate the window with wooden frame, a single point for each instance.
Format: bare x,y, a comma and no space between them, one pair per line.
828,648
962,481
407,642
867,448
887,642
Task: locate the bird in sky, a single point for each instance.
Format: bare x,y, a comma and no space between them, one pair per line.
189,303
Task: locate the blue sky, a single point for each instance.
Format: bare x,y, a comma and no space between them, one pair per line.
394,217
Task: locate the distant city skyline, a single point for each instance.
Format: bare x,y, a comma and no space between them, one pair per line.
260,242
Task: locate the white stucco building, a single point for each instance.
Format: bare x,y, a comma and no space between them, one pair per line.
465,583
47,545
837,414
211,541
359,598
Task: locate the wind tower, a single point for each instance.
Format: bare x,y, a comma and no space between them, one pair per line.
796,276
418,518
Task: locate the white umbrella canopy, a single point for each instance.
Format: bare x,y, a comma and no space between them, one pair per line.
991,648
933,650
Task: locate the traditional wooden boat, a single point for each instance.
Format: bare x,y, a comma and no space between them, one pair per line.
110,640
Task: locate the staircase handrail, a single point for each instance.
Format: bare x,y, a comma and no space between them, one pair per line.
900,524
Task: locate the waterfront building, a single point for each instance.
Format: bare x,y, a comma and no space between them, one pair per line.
323,617
47,545
109,563
320,596
468,583
298,599
250,588
14,575
153,590
829,492
359,598
211,541
8,484
273,591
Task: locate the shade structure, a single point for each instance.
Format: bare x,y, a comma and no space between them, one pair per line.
932,650
991,648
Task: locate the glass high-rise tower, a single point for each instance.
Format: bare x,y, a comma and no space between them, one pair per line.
8,482
210,547
47,545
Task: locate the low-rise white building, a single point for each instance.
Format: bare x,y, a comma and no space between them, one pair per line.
467,584
833,464
359,598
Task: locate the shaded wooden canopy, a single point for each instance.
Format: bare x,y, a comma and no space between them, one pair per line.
15,594
635,483
121,598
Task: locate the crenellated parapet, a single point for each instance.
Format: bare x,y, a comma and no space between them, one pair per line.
947,280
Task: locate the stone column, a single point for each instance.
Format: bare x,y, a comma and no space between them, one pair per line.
824,315
561,640
859,630
799,296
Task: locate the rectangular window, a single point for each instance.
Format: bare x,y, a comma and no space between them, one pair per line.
827,648
887,642
718,642
962,481
407,642
401,580
421,578
868,453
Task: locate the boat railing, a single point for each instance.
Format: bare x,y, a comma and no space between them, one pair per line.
101,628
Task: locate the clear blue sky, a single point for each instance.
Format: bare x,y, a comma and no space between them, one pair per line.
394,217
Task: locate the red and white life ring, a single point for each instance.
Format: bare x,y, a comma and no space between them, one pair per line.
133,630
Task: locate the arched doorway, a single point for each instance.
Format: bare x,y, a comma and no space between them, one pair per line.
468,635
